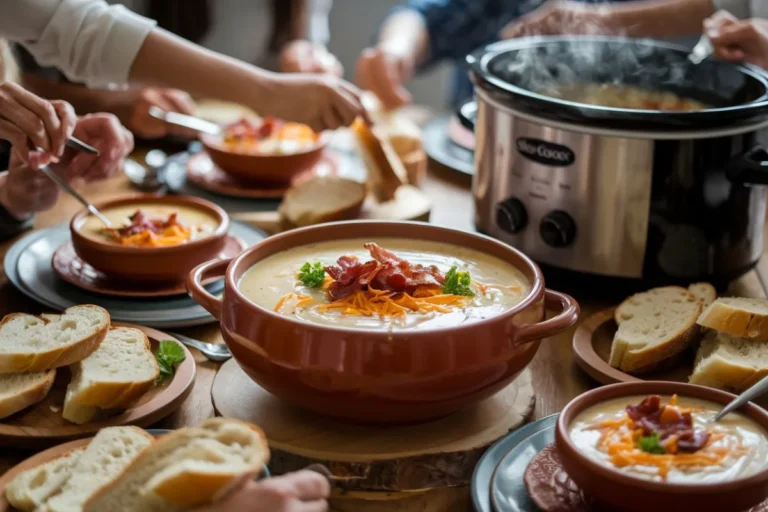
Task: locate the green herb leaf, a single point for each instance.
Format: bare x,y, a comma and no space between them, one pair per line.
169,355
312,275
651,444
457,283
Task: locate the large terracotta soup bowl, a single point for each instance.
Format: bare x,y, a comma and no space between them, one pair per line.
618,489
151,265
382,375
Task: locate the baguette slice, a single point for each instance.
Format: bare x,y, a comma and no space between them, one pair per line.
655,326
730,363
705,292
30,343
322,199
385,170
21,390
186,468
117,374
32,488
107,455
741,317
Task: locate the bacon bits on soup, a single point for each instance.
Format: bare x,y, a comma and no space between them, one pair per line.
622,96
674,441
150,225
268,136
389,284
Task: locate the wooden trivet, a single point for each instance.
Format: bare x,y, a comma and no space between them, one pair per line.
437,454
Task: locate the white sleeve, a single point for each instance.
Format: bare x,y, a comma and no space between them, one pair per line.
318,30
739,8
88,40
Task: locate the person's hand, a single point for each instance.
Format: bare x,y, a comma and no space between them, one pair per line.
105,133
383,72
30,122
738,40
323,102
26,190
302,56
170,100
304,491
554,18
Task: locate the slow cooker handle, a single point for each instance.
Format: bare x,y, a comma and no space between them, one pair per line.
467,114
750,168
196,290
556,301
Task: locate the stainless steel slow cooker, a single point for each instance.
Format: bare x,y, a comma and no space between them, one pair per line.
647,195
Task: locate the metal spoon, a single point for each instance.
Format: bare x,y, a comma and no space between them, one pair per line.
217,352
747,396
69,190
185,121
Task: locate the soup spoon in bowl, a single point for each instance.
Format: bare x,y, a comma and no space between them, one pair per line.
747,396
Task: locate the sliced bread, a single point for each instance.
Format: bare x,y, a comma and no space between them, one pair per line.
741,317
21,390
186,468
654,326
385,170
30,343
107,455
31,488
322,199
730,363
117,374
705,292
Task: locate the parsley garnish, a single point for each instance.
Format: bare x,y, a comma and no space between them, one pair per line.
169,355
457,283
312,275
651,444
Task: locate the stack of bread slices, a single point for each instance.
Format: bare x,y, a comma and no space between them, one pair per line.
657,327
111,367
124,469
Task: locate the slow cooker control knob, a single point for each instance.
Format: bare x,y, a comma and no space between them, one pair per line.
558,229
511,215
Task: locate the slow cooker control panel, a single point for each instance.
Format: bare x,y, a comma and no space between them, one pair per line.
557,229
511,215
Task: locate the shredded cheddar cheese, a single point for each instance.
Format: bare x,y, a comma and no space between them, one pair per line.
172,235
385,304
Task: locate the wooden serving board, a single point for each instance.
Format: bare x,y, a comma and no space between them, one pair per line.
432,455
42,424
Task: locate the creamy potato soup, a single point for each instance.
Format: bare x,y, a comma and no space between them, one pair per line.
150,224
671,439
390,284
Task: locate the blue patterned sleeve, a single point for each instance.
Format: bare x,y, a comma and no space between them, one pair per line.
457,27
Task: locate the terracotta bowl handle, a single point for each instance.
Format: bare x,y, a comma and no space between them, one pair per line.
209,269
569,314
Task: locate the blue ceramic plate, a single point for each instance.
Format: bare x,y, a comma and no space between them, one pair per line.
525,443
27,265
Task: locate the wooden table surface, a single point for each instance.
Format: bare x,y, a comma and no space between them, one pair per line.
557,379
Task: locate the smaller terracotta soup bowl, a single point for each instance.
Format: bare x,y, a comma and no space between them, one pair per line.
201,236
650,457
374,355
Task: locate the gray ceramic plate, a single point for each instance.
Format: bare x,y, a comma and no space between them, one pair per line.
520,442
508,493
439,147
28,266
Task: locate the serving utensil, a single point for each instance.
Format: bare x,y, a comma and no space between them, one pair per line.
71,191
217,352
747,396
701,51
185,121
79,145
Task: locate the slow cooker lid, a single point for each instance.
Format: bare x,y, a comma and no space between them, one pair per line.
516,71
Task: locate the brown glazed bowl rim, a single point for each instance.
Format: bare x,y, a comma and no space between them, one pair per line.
189,201
645,388
536,291
213,142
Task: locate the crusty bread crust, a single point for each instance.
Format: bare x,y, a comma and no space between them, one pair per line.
63,355
385,170
652,359
717,370
728,318
13,404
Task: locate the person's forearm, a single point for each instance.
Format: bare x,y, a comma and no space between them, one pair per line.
656,18
84,100
165,60
404,33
